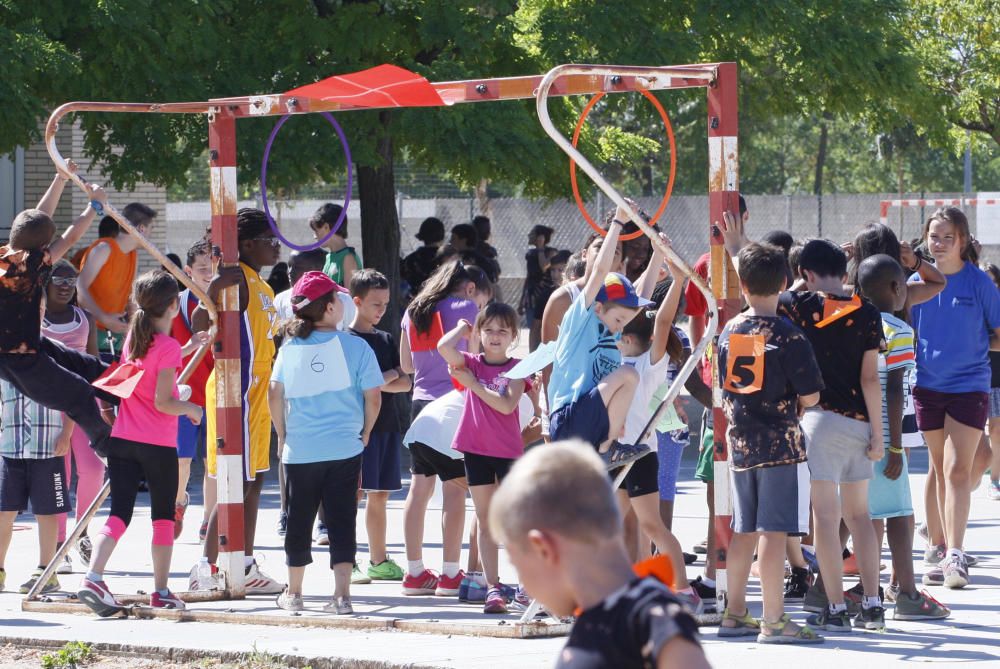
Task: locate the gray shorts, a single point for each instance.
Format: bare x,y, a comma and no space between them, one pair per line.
994,402
771,499
837,447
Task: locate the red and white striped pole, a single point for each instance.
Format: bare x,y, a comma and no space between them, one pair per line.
723,195
228,397
945,202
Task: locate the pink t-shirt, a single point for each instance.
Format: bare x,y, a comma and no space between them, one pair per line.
481,429
138,419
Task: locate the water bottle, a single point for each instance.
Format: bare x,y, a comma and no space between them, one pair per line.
205,580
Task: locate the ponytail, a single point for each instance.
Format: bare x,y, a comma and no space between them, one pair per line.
154,294
446,279
303,323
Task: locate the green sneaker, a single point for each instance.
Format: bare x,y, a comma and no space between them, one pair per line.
387,570
51,586
358,578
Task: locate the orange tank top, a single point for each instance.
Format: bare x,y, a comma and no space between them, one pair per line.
113,284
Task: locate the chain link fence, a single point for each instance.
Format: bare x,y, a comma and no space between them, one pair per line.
685,221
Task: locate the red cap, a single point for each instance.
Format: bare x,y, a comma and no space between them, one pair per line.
313,285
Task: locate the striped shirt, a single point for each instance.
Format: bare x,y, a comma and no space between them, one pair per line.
899,354
29,429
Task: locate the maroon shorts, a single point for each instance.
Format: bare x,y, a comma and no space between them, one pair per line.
970,409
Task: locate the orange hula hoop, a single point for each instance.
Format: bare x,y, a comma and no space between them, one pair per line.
673,165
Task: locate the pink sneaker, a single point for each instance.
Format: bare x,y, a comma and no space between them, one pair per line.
168,601
96,595
448,587
495,601
424,583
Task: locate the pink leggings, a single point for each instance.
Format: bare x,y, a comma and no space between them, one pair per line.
89,473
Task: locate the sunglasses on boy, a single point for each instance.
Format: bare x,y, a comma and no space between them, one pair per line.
63,280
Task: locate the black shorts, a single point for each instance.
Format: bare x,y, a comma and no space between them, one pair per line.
42,482
425,461
486,469
643,478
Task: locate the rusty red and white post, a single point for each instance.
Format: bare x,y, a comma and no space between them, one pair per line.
228,398
723,195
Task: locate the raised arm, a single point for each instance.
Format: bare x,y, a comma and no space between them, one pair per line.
605,257
448,345
666,314
929,281
733,235
59,247
647,282
50,200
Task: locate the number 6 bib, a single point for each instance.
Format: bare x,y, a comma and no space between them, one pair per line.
745,364
315,368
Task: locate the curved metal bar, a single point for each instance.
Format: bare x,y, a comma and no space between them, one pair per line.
52,128
541,103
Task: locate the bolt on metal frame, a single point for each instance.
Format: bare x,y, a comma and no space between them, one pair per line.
719,79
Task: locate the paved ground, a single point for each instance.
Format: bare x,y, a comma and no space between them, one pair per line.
972,636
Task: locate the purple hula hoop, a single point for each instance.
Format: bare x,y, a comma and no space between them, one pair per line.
263,184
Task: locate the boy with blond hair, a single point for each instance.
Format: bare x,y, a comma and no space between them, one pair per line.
556,514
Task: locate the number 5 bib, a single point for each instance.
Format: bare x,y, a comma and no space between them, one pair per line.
745,364
315,368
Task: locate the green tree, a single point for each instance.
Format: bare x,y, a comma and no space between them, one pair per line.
957,46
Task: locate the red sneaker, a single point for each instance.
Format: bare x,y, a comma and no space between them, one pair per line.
448,587
424,583
96,595
168,601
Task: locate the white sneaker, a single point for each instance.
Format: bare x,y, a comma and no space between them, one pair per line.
65,565
218,581
259,583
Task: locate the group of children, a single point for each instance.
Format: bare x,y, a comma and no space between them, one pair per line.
814,377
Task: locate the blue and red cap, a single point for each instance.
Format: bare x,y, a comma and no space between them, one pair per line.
618,289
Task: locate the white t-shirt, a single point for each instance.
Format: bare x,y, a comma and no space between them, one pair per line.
650,378
283,305
437,423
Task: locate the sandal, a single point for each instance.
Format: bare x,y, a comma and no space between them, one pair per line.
745,625
619,454
779,632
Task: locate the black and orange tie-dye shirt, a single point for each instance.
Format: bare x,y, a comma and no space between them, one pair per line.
765,363
839,345
23,275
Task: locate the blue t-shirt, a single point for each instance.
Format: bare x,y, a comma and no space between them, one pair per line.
586,352
325,376
953,333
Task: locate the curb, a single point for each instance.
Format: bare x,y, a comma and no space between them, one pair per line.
168,654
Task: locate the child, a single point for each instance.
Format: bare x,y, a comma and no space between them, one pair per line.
453,293
768,373
957,328
380,464
589,392
556,515
190,437
40,369
643,345
33,442
342,261
258,247
70,325
993,491
144,443
846,336
324,399
488,433
882,281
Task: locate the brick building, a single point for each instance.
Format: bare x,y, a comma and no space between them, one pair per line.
27,172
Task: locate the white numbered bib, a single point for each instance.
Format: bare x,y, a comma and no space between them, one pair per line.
311,369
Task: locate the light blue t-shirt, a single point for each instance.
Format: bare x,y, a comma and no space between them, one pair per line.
953,333
586,352
325,376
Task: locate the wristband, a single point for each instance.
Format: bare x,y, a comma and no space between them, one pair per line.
615,220
897,451
97,207
920,261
